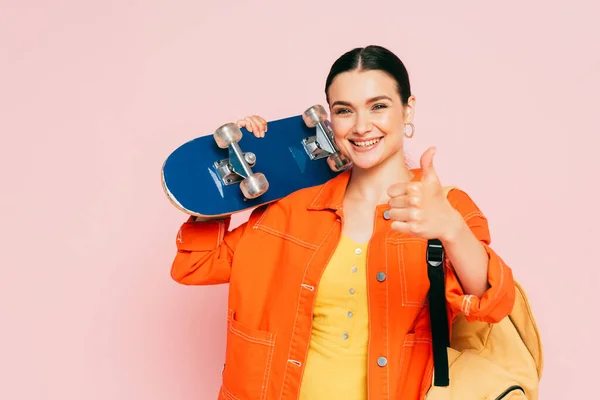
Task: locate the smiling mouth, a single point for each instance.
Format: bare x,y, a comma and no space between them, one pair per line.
365,143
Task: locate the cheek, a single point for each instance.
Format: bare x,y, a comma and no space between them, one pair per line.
390,122
341,127
393,127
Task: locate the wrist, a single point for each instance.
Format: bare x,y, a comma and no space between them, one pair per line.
455,228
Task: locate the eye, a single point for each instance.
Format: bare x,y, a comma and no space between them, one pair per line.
340,111
380,106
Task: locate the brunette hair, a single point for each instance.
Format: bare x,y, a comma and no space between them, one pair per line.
372,57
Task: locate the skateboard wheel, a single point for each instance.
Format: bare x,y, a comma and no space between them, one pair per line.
337,162
227,134
314,115
254,185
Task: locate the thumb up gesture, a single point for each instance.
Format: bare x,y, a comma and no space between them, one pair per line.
420,208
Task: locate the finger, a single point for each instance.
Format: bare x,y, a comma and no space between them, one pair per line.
399,202
401,227
427,164
415,200
258,126
250,126
408,214
241,123
261,124
414,188
398,189
400,214
255,129
409,228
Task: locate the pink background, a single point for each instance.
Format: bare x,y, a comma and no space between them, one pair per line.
95,94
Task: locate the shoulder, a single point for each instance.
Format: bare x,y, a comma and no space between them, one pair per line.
294,203
299,200
292,218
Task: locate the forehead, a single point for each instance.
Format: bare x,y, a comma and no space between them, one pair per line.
358,86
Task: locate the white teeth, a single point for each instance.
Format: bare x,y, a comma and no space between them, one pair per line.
366,143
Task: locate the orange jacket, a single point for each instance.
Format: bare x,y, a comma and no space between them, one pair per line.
273,264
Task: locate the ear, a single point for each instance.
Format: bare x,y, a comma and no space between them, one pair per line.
409,109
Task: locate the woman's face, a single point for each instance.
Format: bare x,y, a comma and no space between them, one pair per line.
367,116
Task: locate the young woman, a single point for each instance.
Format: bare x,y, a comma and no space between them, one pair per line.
328,286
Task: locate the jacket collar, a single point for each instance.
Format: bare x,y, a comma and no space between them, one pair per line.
331,195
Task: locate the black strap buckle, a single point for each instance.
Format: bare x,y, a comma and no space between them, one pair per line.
435,253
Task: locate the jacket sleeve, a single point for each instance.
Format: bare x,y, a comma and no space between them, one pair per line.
205,250
497,302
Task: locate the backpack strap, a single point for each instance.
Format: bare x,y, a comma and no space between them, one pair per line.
440,329
440,334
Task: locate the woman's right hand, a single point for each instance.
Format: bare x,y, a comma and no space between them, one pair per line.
254,124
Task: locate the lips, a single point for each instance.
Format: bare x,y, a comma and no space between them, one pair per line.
365,143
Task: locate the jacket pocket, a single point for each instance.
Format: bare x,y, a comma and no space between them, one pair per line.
413,358
409,257
248,359
405,357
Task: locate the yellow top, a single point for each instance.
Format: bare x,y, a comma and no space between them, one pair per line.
336,365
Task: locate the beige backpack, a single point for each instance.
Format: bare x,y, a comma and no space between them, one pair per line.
482,360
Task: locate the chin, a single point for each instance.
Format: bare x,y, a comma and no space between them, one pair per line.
365,164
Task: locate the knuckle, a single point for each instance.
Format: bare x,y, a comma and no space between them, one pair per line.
397,215
399,227
415,214
415,227
396,202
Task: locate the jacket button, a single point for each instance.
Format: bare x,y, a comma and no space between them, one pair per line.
382,361
381,276
386,214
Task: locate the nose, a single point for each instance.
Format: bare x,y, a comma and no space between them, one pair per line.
362,125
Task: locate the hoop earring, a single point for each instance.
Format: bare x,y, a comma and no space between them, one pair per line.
412,130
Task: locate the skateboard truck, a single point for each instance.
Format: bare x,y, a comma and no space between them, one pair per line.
238,167
322,145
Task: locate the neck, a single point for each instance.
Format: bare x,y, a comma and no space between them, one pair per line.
371,185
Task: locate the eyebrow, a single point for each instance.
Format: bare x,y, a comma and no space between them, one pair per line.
371,100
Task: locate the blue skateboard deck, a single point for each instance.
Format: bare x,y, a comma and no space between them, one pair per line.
198,180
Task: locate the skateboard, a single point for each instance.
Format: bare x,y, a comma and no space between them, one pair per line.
231,170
